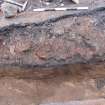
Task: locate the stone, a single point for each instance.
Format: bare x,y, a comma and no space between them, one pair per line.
22,45
76,1
9,10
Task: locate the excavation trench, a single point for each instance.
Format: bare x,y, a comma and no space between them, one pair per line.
53,57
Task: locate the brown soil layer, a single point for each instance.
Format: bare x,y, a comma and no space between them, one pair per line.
68,85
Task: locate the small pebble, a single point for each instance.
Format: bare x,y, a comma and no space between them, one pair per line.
76,1
62,4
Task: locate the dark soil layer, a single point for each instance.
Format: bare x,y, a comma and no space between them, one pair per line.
68,39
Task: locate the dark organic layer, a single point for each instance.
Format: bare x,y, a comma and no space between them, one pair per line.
68,39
